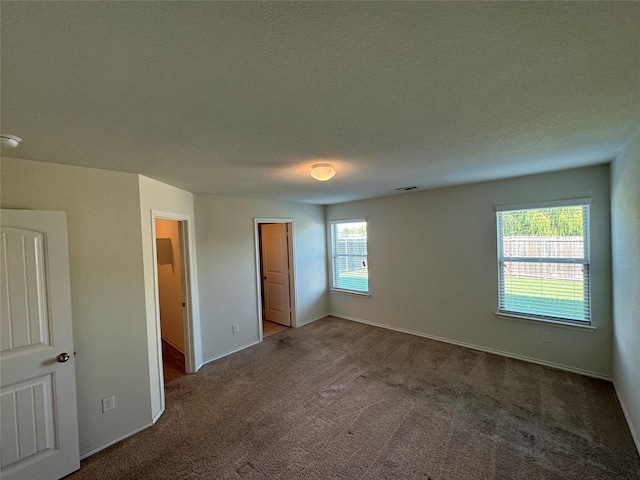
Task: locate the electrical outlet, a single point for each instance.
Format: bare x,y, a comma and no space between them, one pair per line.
108,403
545,337
352,302
236,328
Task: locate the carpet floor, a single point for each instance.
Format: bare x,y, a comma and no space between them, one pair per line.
343,400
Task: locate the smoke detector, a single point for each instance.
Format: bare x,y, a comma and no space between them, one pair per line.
10,141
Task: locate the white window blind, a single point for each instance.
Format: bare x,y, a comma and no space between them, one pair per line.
349,255
543,262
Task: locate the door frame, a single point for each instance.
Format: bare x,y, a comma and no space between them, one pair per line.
292,268
184,225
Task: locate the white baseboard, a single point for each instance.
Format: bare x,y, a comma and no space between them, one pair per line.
119,439
558,366
181,350
157,416
217,357
307,322
635,434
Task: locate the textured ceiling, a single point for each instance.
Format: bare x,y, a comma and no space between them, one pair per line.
238,98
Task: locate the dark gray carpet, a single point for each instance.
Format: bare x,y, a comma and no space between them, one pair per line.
342,400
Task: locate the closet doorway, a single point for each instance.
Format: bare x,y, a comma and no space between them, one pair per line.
171,301
274,242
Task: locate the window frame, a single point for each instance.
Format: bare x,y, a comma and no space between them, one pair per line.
585,261
334,256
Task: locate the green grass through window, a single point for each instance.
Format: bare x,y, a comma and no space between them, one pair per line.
537,287
357,279
552,298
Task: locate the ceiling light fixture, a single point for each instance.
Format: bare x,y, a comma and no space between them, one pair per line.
10,141
322,171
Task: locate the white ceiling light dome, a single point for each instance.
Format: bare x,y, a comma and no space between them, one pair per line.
10,141
322,171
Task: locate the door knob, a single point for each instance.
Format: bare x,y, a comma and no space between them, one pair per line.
63,357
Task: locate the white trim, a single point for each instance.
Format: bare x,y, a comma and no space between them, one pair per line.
634,435
307,322
293,291
190,329
218,357
191,332
585,205
331,257
558,366
190,336
156,302
559,323
157,416
95,450
572,202
348,220
350,292
563,260
172,344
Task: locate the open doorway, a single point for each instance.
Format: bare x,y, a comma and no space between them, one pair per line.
170,283
275,275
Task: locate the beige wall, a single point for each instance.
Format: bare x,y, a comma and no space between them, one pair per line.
433,268
227,267
432,264
170,287
107,291
625,231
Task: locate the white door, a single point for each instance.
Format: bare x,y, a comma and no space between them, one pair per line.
38,422
275,273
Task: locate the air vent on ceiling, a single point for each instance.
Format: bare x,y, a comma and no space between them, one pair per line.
406,189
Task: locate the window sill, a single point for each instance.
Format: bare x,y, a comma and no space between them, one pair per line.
351,292
558,323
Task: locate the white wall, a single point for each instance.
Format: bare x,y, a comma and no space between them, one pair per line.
160,197
107,294
433,267
227,267
170,286
625,232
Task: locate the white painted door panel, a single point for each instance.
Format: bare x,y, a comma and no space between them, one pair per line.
38,414
275,271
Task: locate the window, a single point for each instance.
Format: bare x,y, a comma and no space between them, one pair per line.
543,261
349,256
